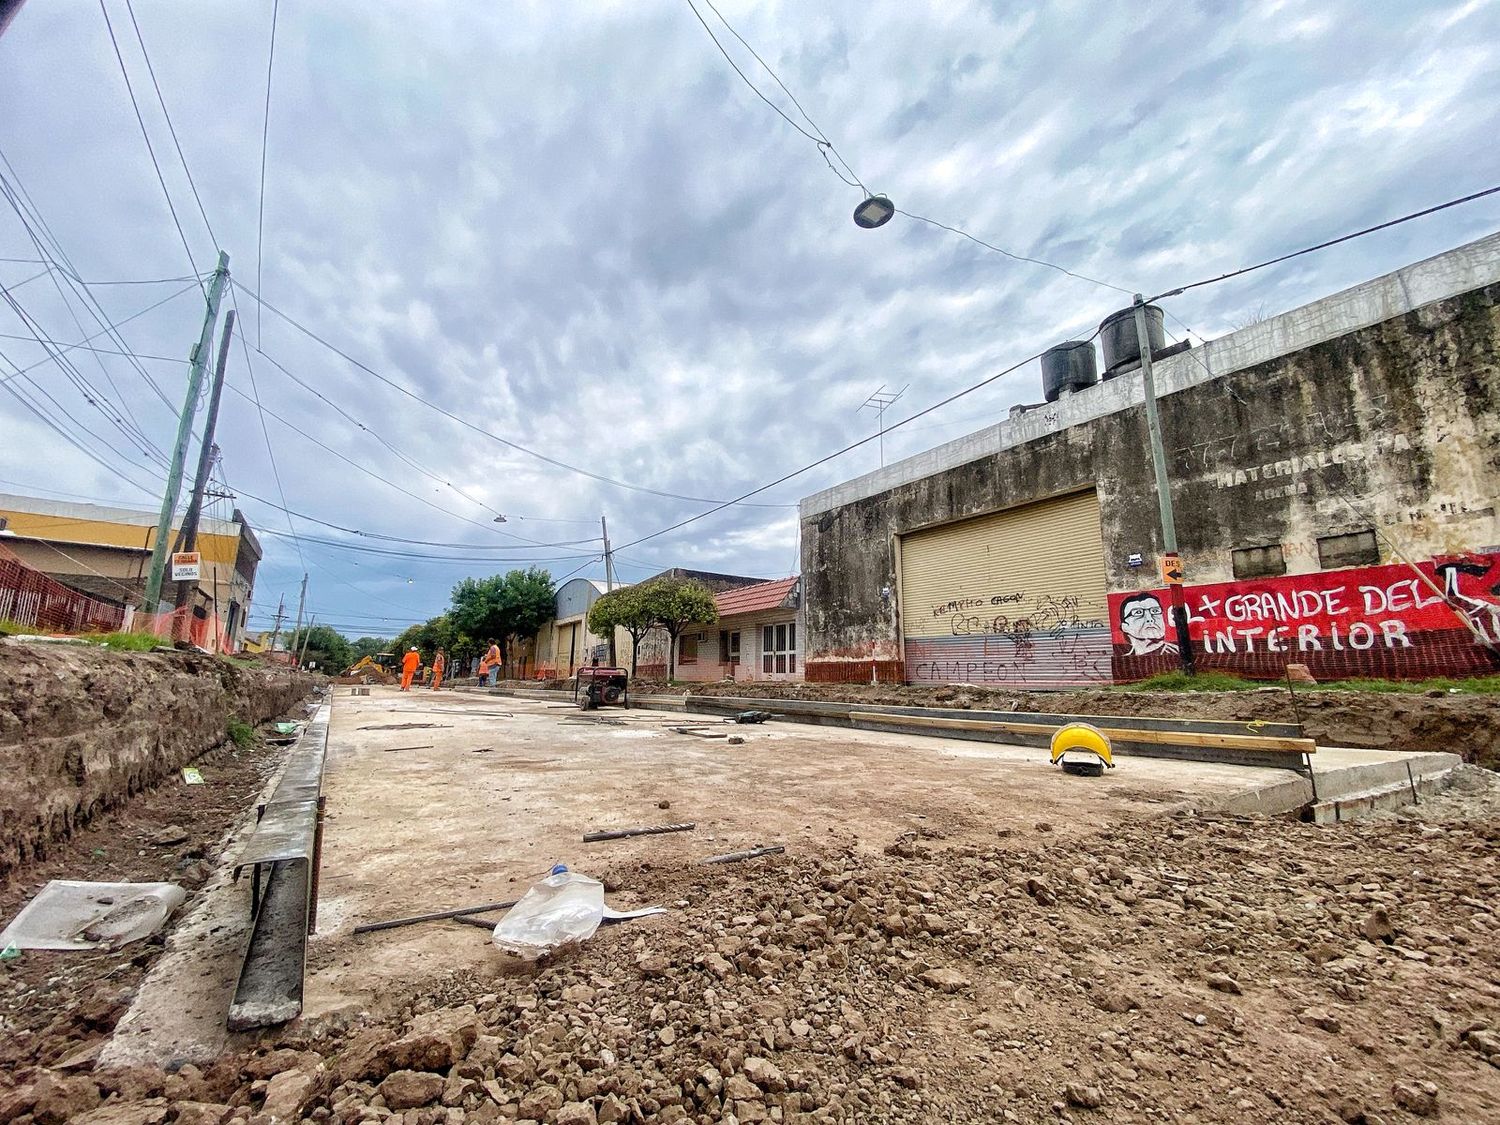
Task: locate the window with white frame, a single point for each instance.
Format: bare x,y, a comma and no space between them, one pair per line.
778,648
729,646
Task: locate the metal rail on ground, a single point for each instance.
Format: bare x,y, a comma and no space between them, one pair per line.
283,856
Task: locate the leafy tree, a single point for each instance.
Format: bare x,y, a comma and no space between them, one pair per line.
503,607
625,608
325,646
369,646
674,604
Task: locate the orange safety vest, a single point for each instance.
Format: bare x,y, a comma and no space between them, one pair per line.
410,661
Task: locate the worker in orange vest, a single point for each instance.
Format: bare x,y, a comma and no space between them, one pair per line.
409,665
439,661
490,662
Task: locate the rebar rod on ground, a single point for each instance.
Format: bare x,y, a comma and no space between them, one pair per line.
751,853
369,927
622,833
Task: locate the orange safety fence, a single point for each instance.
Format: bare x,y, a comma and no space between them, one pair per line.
198,627
31,599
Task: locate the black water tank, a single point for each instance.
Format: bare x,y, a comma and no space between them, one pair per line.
1068,367
1117,335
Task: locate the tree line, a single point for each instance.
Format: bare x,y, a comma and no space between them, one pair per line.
505,609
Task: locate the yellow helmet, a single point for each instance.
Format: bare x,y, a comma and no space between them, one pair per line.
1089,746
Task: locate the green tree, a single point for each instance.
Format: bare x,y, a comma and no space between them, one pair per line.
674,604
624,608
369,646
325,646
503,607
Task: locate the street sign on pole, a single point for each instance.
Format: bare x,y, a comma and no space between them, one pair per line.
1171,570
187,566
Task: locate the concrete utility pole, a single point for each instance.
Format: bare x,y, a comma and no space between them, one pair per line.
187,538
1163,489
199,359
301,602
280,613
609,579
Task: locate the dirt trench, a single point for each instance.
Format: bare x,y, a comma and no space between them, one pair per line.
83,729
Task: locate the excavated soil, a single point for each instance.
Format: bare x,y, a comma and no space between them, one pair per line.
1174,968
1458,723
83,729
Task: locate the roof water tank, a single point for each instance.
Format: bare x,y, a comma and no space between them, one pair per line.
1068,367
1118,337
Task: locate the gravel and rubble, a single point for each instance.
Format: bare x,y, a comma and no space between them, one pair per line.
1173,968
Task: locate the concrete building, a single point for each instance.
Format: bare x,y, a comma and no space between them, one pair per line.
651,659
565,644
755,638
105,552
1335,473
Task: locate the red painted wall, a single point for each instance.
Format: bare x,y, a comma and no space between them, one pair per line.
1381,621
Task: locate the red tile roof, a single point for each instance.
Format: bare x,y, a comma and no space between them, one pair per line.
753,599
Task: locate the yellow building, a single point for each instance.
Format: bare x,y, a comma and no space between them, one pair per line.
105,552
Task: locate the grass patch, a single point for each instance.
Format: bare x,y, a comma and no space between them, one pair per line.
10,628
1475,685
125,642
1222,681
1203,681
241,733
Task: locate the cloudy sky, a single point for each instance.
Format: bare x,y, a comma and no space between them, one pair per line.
571,226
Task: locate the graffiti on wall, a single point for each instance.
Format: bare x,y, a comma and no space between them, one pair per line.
1441,618
1014,637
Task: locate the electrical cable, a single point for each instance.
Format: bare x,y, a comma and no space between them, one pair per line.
1470,198
146,136
479,429
105,332
265,132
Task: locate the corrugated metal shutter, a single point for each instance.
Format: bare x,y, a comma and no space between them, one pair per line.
1017,597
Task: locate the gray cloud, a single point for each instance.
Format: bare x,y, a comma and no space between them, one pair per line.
574,226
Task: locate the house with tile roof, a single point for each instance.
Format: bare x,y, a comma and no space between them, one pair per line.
756,637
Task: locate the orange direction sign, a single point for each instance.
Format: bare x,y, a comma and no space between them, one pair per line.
1171,570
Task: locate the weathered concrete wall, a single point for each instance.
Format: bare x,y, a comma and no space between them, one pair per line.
83,729
1393,426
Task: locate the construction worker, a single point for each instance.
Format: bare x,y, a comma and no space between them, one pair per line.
439,661
490,662
409,665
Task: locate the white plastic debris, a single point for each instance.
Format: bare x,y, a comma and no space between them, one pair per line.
564,907
76,915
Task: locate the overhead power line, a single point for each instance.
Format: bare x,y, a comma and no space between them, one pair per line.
146,136
265,133
467,424
1470,198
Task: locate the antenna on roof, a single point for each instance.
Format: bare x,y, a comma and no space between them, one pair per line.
879,402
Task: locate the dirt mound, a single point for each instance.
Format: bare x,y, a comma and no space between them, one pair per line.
83,728
1454,722
1194,968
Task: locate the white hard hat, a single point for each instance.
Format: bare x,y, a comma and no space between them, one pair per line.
414,648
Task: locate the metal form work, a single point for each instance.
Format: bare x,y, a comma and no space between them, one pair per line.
749,853
699,732
625,833
282,856
599,687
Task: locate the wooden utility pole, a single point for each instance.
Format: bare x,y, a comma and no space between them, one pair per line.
609,581
301,603
280,613
187,538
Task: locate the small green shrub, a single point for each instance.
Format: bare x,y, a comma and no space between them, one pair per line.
1203,681
241,733
125,642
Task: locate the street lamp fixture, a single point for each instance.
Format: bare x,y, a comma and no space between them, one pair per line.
874,212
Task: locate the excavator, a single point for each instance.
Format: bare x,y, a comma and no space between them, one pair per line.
379,669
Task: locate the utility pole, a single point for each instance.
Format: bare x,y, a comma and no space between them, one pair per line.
303,654
280,613
199,360
1163,489
881,401
187,538
609,579
301,602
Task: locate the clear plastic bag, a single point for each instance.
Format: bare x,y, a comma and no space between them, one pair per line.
563,907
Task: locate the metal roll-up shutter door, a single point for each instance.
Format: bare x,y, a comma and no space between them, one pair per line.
1016,597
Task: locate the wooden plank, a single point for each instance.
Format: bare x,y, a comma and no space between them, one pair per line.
1261,743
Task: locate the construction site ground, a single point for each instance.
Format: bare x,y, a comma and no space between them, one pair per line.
956,932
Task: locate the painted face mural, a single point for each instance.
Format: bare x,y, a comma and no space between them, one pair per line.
1144,623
